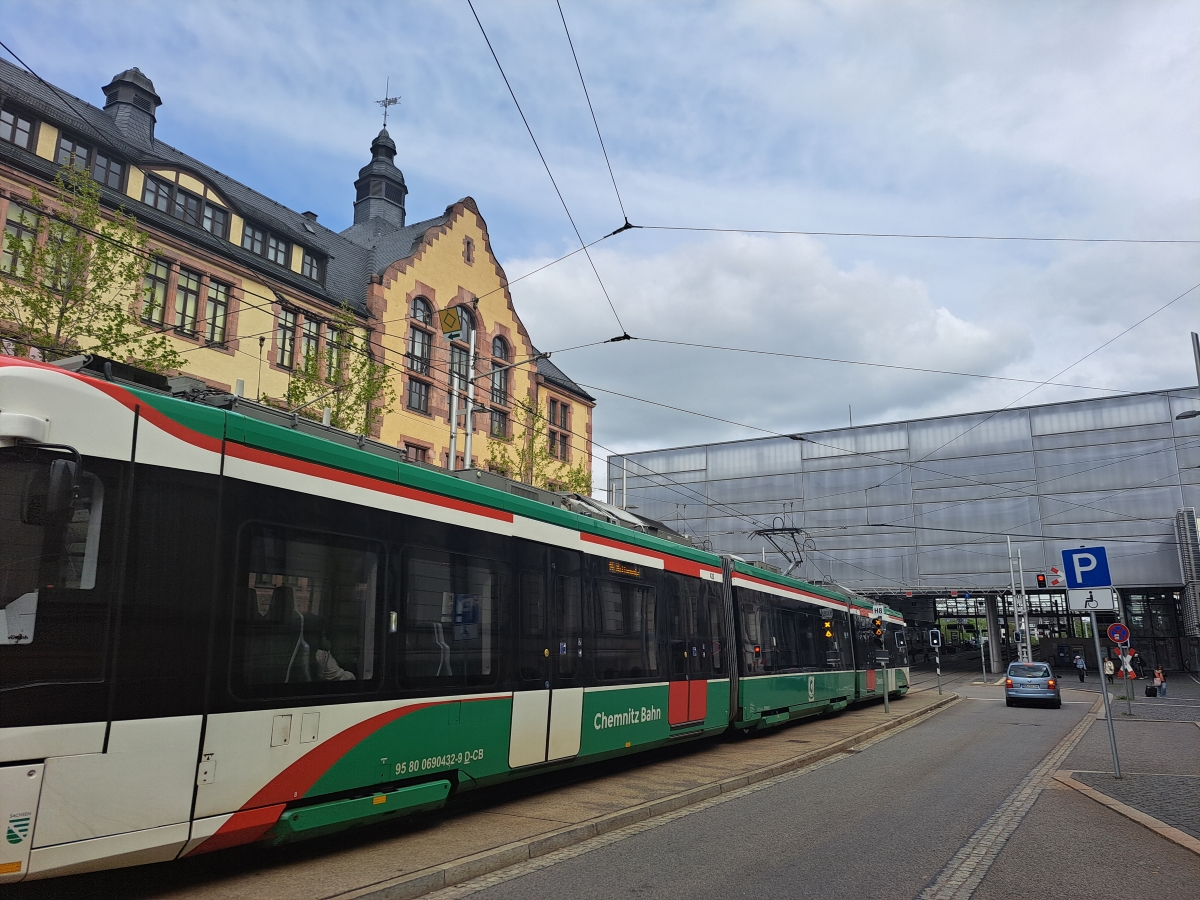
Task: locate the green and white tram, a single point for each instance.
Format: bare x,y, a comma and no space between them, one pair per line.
217,629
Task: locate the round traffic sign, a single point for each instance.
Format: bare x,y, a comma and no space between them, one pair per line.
1118,633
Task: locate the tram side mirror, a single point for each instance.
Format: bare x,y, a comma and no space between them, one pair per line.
60,491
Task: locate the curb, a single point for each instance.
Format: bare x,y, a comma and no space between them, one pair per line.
1182,838
415,884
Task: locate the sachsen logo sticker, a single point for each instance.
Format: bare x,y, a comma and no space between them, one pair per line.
18,828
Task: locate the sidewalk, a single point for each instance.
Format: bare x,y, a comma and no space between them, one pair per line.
1182,703
490,832
1160,764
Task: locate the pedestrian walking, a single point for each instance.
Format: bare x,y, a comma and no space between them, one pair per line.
1139,665
1081,666
1160,681
1109,669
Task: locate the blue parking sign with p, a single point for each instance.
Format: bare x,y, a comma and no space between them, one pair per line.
1086,567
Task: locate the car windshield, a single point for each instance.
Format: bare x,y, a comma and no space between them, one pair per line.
1028,672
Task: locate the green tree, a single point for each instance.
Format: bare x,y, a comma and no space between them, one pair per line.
526,455
345,377
72,282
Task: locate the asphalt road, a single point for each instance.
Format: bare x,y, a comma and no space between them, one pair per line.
883,823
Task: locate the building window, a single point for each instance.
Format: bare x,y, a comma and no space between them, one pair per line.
16,129
419,343
254,239
186,207
418,396
214,315
20,237
216,221
458,368
559,441
154,292
73,153
500,386
553,413
310,340
157,194
287,338
312,267
421,311
415,454
278,250
563,445
468,251
108,171
187,298
333,353
499,424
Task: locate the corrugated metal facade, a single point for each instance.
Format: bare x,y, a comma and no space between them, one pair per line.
926,504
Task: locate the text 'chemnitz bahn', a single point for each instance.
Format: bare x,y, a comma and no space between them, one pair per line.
218,630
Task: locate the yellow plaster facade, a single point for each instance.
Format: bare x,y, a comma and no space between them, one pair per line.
248,312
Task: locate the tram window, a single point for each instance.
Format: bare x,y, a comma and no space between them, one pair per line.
716,623
43,551
306,615
681,625
449,608
625,636
532,603
55,577
568,601
788,631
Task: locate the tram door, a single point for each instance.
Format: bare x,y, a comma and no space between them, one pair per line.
547,712
689,645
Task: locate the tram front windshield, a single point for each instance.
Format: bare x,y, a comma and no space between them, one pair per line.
52,511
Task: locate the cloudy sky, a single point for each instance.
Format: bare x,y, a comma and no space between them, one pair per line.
1066,119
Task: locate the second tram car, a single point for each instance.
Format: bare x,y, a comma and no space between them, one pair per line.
219,630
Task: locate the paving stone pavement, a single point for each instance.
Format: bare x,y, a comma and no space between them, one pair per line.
1173,799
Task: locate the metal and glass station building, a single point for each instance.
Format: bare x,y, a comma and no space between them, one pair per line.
920,513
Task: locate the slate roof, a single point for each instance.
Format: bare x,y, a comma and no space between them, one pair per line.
384,246
557,377
350,262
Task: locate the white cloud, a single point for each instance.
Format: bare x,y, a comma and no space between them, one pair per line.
1003,117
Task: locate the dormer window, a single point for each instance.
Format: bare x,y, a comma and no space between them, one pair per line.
313,267
72,153
105,169
185,206
16,128
262,242
108,171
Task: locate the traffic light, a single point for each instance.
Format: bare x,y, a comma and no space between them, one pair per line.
1041,582
935,638
877,628
828,627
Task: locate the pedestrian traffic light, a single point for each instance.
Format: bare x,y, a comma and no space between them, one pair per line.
1041,581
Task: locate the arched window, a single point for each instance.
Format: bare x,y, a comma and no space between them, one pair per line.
500,348
421,311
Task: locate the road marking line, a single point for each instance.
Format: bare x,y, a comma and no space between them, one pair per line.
961,876
483,882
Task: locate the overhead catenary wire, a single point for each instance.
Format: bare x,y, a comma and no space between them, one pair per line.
546,165
595,122
919,236
61,96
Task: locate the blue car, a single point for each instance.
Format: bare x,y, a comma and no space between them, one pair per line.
1028,682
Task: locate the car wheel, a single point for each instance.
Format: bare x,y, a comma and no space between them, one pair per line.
1057,704
1008,702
